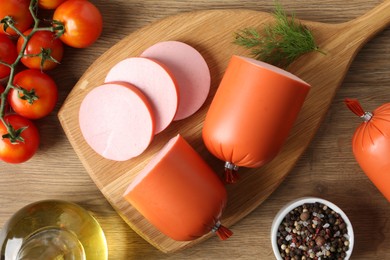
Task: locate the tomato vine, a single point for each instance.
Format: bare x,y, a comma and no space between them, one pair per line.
30,93
8,22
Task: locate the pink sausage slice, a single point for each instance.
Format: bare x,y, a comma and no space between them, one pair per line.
190,70
117,121
155,81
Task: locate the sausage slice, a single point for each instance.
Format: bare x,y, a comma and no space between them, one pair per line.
117,121
155,81
189,69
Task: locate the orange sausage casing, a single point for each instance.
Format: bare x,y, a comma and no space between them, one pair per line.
252,112
371,144
179,193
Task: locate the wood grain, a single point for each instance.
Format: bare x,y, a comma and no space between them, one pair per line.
210,32
327,168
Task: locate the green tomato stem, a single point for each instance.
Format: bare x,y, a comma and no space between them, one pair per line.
5,64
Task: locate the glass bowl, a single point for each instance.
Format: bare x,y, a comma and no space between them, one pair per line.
51,230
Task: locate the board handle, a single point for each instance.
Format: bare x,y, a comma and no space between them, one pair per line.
369,24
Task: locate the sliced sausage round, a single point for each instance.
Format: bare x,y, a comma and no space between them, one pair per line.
189,69
155,81
117,121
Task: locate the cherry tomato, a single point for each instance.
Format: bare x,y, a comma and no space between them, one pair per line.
83,22
41,97
8,54
18,10
49,4
21,150
45,43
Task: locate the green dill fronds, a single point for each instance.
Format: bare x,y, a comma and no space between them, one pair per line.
280,43
248,37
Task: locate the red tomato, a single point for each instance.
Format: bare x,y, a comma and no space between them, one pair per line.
8,54
38,84
18,10
21,150
44,42
82,22
49,4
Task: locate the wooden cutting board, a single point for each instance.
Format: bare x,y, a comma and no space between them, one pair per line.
211,33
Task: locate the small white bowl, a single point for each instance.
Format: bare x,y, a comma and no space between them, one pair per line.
306,200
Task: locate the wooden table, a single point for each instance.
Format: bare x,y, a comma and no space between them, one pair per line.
327,169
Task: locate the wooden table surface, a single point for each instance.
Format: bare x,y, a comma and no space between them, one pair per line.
327,169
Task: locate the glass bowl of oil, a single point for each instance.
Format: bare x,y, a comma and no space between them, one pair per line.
52,230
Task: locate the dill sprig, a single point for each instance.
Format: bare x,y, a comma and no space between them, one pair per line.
280,43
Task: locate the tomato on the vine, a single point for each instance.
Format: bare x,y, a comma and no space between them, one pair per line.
8,55
49,4
82,22
20,13
43,51
36,94
25,146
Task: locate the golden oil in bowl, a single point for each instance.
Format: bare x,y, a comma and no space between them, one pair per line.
52,230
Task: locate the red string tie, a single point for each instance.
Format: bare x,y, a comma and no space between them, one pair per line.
356,108
222,232
231,172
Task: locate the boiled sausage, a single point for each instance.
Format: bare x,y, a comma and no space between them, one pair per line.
252,112
117,121
179,193
155,81
189,69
